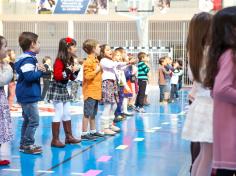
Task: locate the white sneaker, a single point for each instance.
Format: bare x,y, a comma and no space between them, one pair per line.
141,110
115,128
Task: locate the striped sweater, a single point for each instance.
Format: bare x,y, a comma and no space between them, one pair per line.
143,70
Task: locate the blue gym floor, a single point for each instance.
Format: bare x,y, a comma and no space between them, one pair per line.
150,144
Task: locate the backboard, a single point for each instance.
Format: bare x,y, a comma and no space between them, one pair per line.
140,6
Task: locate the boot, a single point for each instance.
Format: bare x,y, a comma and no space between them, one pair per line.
69,137
55,134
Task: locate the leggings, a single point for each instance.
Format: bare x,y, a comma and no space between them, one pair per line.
62,112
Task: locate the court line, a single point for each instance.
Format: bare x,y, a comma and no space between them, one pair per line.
73,156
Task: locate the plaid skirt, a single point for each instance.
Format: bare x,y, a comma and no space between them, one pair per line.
110,91
58,92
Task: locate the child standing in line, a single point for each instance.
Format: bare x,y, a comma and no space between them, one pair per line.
92,89
47,76
221,77
12,85
64,70
5,117
110,96
161,78
143,70
75,84
174,81
28,90
130,90
122,84
199,120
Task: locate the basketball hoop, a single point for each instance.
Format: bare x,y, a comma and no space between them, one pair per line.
133,9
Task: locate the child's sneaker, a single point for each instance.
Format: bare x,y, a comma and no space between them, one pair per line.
97,134
31,149
4,162
141,110
115,129
88,137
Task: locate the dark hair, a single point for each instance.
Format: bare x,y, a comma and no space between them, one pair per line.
102,52
161,60
89,45
46,58
120,49
141,55
63,54
198,39
180,61
223,37
1,41
26,39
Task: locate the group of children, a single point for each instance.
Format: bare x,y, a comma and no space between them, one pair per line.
108,77
169,78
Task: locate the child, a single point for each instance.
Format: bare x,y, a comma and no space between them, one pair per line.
28,90
110,96
122,84
143,70
5,118
221,77
11,57
92,89
47,76
161,78
129,91
64,70
174,81
198,124
75,83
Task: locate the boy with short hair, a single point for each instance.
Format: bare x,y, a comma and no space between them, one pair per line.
92,89
143,70
28,90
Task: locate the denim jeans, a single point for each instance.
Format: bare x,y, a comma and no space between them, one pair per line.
162,91
30,114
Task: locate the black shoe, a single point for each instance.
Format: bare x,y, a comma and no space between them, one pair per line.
97,134
88,137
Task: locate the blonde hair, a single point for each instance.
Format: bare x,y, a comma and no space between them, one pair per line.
89,45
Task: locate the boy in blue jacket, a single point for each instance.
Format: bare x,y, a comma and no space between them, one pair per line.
28,90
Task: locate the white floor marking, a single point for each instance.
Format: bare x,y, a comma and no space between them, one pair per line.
139,139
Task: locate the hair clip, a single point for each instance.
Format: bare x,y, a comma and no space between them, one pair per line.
68,40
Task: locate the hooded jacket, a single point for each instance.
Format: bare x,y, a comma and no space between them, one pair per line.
28,88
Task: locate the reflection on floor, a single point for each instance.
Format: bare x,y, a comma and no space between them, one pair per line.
150,144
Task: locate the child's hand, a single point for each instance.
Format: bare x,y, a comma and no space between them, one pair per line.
133,61
75,68
41,67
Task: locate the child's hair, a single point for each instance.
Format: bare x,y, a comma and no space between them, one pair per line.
198,39
26,39
223,37
45,59
180,61
89,45
102,52
120,49
1,41
161,60
63,53
141,55
10,55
